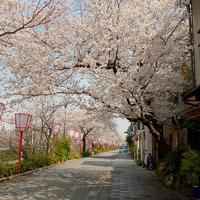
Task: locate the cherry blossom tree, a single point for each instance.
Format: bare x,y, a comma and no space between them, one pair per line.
19,16
135,51
44,119
130,52
20,21
92,125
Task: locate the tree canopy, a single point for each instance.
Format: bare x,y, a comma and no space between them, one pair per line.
129,52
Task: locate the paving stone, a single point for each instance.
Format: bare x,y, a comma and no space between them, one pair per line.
109,176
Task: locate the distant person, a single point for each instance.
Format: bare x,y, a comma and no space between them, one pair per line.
150,161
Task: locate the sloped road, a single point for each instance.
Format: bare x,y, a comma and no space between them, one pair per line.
109,176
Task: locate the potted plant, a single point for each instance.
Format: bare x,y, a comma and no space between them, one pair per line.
196,192
190,168
196,186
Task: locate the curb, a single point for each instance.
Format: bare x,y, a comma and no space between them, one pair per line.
3,179
32,171
24,173
17,175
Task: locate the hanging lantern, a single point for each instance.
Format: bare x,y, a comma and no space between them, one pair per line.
22,121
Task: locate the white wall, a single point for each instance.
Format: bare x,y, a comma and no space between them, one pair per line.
148,146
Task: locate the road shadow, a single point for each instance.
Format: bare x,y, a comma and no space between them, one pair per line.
107,160
112,177
59,183
128,181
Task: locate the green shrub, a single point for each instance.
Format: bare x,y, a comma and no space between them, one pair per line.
173,160
86,153
7,169
98,150
75,151
74,155
169,168
35,161
190,167
101,149
61,151
8,155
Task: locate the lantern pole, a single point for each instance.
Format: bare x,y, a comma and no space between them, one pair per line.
20,151
22,122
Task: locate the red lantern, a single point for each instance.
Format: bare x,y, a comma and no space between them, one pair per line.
22,122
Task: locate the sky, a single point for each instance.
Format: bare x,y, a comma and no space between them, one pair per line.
121,125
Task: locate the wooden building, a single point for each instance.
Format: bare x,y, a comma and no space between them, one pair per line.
192,98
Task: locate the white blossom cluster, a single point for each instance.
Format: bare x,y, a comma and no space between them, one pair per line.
132,52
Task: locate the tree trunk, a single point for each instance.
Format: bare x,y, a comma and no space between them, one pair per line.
48,138
84,144
153,128
64,132
47,147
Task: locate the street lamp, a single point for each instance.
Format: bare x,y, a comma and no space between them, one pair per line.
22,122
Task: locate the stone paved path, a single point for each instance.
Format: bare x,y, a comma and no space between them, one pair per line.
109,176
